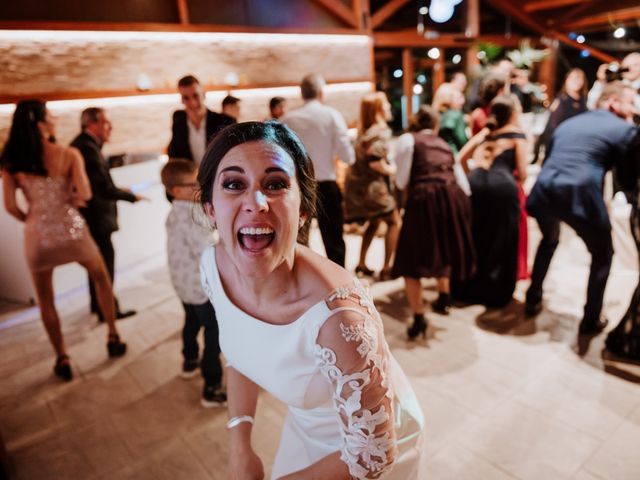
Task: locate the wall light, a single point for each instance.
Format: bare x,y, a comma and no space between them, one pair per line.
417,89
580,39
619,32
457,58
174,98
423,10
203,37
397,73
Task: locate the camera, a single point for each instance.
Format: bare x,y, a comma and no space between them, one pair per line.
614,72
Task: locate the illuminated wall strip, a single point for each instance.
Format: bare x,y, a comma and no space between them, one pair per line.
174,98
202,37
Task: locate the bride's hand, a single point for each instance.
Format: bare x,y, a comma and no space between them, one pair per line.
245,465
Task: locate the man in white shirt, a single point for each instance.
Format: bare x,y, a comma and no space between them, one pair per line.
323,132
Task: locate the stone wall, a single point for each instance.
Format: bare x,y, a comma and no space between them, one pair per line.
63,64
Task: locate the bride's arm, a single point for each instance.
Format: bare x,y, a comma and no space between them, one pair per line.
351,353
242,399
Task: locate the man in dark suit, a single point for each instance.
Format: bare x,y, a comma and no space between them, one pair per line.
101,212
194,127
569,189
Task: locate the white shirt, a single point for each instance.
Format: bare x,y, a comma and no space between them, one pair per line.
323,132
402,152
188,234
197,140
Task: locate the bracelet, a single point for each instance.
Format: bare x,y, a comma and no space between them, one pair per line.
235,421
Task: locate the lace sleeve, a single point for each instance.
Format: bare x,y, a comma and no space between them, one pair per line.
351,353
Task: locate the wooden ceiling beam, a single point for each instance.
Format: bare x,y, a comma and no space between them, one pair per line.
340,10
409,38
386,11
548,4
514,11
603,18
572,13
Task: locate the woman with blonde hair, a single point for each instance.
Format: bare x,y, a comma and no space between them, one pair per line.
448,102
369,194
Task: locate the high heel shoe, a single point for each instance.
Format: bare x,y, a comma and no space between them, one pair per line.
443,304
364,271
62,368
419,327
115,347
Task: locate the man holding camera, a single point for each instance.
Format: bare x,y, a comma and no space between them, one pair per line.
628,72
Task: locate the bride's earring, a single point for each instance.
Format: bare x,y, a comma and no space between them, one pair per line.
301,222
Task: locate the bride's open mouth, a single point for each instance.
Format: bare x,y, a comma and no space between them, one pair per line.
255,239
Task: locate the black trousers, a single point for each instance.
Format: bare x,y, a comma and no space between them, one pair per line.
196,317
108,255
600,246
331,220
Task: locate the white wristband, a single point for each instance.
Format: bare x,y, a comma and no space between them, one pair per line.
235,421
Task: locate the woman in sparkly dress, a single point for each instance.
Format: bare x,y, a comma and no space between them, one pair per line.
54,184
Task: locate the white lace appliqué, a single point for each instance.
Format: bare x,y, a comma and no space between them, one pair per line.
364,452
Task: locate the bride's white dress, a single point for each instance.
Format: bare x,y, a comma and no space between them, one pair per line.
346,394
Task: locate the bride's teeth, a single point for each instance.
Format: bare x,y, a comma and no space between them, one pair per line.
256,231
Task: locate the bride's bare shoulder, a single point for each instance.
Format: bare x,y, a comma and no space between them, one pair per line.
322,274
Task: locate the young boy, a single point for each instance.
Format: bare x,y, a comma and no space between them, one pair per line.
187,236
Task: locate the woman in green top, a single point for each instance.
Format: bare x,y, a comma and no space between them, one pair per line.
448,100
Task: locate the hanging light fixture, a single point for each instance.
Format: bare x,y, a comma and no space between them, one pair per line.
441,11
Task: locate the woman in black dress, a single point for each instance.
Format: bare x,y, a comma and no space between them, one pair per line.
495,205
571,101
435,239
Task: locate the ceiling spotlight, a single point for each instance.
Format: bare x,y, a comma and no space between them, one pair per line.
580,39
457,58
619,32
441,10
423,10
417,89
397,73
434,53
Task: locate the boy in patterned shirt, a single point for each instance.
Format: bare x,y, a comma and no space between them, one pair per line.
188,234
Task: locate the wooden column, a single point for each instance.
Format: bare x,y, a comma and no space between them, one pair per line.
183,12
407,79
472,13
438,71
472,63
548,68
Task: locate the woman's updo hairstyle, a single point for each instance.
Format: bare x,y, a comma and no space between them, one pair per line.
272,132
492,85
501,110
425,118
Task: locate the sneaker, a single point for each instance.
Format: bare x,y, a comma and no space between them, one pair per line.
189,369
213,397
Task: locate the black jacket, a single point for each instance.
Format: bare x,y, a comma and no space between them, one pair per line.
179,145
101,212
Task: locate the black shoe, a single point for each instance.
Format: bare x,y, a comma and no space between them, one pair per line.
364,272
125,314
189,368
419,327
62,368
591,328
213,397
443,304
115,347
119,315
532,309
